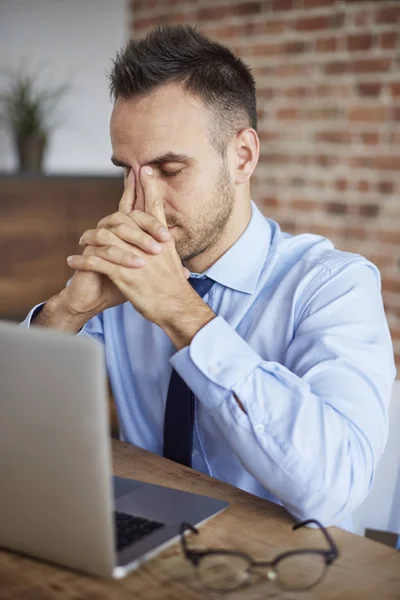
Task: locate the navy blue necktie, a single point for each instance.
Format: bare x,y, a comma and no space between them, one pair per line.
180,407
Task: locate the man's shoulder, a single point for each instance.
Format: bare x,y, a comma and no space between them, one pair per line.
312,252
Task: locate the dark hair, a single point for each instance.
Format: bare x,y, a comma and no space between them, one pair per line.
205,68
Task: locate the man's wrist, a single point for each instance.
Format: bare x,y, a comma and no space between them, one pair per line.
55,314
185,318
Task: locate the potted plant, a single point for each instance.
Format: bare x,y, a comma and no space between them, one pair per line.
27,110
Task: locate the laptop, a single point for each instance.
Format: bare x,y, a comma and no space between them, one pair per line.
58,499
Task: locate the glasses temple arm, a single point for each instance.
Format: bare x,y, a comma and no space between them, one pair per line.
327,535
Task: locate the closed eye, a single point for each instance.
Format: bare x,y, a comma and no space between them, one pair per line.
170,173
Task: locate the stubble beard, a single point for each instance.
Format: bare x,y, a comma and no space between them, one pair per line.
206,231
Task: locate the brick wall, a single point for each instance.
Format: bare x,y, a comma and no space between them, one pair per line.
328,77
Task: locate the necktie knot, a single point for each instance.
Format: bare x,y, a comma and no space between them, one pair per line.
201,285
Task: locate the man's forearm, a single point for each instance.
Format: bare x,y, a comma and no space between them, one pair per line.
55,314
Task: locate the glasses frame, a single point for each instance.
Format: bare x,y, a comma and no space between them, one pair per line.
329,555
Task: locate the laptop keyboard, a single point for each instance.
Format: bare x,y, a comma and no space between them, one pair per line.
130,529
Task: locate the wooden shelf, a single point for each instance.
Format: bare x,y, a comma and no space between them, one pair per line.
41,221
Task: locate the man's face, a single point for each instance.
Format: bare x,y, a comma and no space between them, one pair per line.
194,180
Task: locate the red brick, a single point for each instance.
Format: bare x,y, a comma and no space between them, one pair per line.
390,236
341,184
391,163
370,137
362,18
270,27
388,14
265,92
318,3
388,40
304,204
368,113
231,10
267,49
334,137
296,47
291,70
336,68
297,91
391,285
274,157
269,136
287,114
359,42
369,89
324,160
282,4
368,210
363,185
269,201
395,113
323,113
311,23
382,260
394,137
395,88
370,65
339,208
146,23
385,187
326,44
352,232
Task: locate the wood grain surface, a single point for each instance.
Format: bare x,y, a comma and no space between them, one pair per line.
365,569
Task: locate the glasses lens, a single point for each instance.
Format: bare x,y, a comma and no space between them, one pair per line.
223,572
301,571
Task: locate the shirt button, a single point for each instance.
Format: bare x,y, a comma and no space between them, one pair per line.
195,452
259,428
214,369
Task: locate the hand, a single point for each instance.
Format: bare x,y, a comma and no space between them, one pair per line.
159,285
91,292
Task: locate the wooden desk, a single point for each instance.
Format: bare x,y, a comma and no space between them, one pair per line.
365,569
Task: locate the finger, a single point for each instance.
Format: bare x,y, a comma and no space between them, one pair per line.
113,219
143,220
124,235
154,204
116,255
128,197
95,263
186,272
151,225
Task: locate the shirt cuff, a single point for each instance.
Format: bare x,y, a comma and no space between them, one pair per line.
26,323
216,361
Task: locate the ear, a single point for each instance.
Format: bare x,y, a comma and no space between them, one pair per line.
247,151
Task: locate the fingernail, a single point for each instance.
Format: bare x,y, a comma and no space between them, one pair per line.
164,233
148,170
139,262
80,241
156,247
70,259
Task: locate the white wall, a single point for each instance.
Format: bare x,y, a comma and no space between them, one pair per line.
381,509
76,39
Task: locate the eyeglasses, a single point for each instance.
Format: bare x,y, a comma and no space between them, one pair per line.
222,570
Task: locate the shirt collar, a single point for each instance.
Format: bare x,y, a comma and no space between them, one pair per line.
240,267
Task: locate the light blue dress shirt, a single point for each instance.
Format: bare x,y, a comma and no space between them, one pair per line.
301,338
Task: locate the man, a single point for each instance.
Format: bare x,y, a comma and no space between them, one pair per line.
271,367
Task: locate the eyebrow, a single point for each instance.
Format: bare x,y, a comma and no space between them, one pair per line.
159,160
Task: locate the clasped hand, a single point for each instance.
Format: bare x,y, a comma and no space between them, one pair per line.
135,250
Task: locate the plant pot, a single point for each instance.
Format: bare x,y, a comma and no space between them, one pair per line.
31,151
